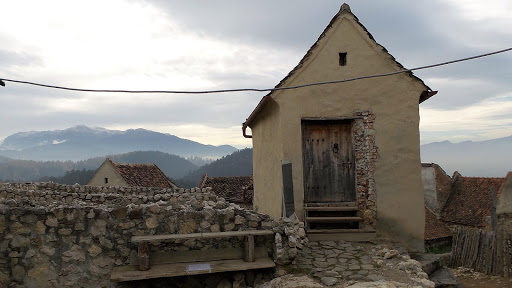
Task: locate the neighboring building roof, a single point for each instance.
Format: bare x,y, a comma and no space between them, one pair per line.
345,8
443,185
470,200
230,188
435,228
143,175
504,203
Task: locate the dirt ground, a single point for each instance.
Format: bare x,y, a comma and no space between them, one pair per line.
469,278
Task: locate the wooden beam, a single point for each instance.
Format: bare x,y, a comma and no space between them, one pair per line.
161,257
143,256
333,219
130,273
339,231
149,238
249,248
324,208
249,278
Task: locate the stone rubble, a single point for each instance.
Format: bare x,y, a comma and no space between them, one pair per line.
341,264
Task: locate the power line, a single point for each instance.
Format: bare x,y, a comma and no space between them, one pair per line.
251,89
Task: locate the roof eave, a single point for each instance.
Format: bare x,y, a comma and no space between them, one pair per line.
255,113
426,94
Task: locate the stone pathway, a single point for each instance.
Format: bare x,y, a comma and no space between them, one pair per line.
331,261
340,263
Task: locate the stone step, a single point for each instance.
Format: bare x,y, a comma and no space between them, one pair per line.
345,236
332,219
432,262
327,208
444,278
337,204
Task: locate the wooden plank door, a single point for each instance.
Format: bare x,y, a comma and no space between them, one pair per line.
329,166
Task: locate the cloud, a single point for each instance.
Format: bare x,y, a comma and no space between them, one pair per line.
487,119
256,23
11,58
199,45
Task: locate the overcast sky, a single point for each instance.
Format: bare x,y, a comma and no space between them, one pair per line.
196,45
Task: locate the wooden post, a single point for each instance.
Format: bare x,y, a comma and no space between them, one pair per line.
494,217
249,248
507,259
143,256
249,278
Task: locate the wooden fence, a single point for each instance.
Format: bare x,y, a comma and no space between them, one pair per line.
485,251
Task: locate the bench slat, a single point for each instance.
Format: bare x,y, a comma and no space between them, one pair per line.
149,238
130,273
158,257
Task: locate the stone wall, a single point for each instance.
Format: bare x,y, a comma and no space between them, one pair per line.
367,154
73,236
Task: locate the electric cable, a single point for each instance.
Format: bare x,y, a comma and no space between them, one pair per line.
252,89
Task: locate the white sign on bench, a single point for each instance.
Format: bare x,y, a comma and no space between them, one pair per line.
199,267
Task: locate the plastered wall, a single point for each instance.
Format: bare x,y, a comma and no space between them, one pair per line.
267,175
394,102
106,170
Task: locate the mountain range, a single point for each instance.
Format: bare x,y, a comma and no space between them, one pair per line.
490,158
82,142
239,163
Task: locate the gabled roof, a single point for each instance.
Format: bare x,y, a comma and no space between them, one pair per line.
435,228
345,9
443,184
470,200
142,175
230,188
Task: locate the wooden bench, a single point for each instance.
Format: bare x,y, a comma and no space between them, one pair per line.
193,262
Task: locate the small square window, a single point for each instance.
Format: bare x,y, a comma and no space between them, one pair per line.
343,58
106,180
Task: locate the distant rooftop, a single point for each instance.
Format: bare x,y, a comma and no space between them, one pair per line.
434,228
236,189
469,202
143,175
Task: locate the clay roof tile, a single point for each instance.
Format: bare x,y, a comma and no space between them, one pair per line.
470,200
143,175
230,188
435,228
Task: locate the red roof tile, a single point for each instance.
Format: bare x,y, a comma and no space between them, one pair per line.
435,228
143,175
470,200
230,188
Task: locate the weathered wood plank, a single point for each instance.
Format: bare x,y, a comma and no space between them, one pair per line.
226,234
200,255
129,273
328,157
249,248
249,278
320,231
484,251
333,219
326,208
143,256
